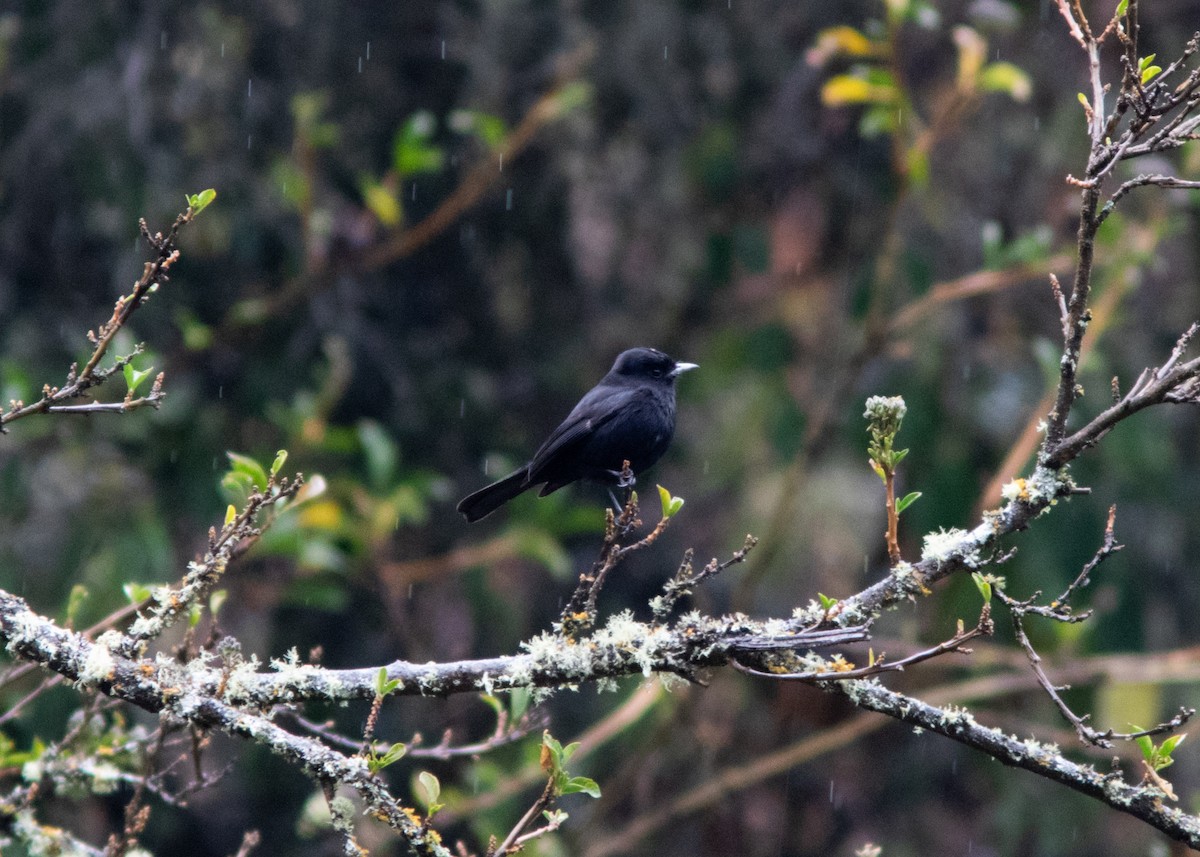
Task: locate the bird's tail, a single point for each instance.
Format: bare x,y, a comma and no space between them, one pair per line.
487,500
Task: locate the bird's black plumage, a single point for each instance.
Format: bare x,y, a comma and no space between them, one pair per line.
628,416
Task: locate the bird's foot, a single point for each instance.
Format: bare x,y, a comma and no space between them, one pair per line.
624,477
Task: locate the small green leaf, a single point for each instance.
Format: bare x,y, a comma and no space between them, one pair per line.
384,687
231,514
1168,746
1122,8
194,614
246,464
1083,100
380,198
827,603
670,505
79,594
519,703
197,202
431,790
216,601
906,501
1149,73
1145,61
586,785
551,755
493,702
411,152
136,592
134,378
984,587
280,460
377,763
237,486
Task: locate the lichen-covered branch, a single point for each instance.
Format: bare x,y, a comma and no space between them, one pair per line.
1143,801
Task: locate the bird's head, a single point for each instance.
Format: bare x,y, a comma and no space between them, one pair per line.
649,364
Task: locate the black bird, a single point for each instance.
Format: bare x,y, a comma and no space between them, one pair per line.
628,416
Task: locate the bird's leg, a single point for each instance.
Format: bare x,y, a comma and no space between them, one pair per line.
616,503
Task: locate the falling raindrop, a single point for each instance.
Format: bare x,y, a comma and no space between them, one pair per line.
664,52
462,408
360,65
249,139
174,456
706,467
368,51
410,592
222,50
501,162
1037,123
214,464
249,87
414,192
162,41
831,791
443,48
221,392
508,200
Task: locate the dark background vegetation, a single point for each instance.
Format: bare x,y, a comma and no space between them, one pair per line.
692,193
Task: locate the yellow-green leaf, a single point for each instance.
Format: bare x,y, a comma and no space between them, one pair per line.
844,89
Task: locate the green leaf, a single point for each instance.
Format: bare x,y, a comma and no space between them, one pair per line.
394,753
380,452
1008,78
906,501
586,785
430,790
382,201
411,152
1144,744
1149,73
1145,61
79,594
136,592
1083,100
384,687
197,202
247,465
670,505
984,587
827,603
216,601
237,487
231,514
1122,8
280,460
194,614
134,378
488,129
519,703
551,755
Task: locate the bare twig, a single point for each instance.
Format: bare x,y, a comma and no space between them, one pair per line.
80,381
839,670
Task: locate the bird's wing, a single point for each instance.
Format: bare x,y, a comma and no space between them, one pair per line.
599,406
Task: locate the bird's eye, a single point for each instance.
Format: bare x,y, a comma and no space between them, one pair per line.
657,373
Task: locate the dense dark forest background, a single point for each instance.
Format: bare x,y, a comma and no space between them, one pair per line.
436,225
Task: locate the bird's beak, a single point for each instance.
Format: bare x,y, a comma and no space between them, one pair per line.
680,368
